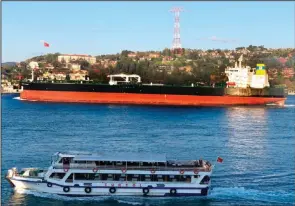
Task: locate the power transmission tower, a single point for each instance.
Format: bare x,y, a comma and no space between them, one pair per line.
176,46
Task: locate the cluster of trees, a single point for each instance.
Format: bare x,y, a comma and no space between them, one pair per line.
207,71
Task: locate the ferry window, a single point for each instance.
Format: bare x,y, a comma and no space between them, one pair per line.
118,163
96,177
205,180
57,175
104,176
66,160
109,163
102,163
147,178
80,162
141,177
84,176
129,177
135,178
133,164
116,177
172,178
166,178
147,164
181,178
188,178
70,178
123,177
154,178
160,178
196,176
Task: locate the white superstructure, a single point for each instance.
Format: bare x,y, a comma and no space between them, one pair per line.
123,78
141,174
244,77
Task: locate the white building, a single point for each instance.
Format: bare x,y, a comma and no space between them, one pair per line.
34,65
68,57
74,67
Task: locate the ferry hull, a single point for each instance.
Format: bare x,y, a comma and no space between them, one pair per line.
78,191
147,99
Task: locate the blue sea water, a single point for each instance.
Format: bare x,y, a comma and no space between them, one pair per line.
256,143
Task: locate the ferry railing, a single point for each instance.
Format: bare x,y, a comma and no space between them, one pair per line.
145,168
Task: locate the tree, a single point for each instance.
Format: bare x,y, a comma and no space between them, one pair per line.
68,77
240,48
56,64
50,58
84,64
125,53
23,64
166,52
290,63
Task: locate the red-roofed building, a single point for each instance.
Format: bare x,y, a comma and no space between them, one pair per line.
154,55
288,72
282,60
80,75
132,55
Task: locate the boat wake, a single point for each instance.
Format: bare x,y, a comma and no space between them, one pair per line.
18,98
289,105
223,193
285,105
217,194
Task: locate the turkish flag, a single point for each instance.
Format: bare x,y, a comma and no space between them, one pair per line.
219,159
46,44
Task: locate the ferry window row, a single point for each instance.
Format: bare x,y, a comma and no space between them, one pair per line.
131,177
128,164
128,177
111,163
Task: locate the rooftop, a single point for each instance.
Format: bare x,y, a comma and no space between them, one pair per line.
80,55
120,157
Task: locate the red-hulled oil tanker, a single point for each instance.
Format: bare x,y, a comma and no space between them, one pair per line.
246,86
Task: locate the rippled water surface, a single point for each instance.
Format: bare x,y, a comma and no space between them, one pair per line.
256,143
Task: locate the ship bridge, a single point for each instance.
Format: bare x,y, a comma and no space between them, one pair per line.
124,78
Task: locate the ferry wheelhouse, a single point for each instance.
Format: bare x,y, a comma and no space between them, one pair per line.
76,174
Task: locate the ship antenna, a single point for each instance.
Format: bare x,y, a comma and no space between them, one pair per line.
33,74
240,61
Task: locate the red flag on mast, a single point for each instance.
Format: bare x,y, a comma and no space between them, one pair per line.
219,159
46,44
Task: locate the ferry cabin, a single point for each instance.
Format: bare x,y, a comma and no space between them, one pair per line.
124,174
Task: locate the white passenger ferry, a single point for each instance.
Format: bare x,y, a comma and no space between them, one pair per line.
76,174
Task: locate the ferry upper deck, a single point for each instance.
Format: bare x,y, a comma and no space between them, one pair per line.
127,161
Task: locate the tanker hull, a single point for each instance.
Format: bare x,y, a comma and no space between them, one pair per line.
151,95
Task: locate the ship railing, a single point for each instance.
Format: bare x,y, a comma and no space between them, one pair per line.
36,169
144,168
32,177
